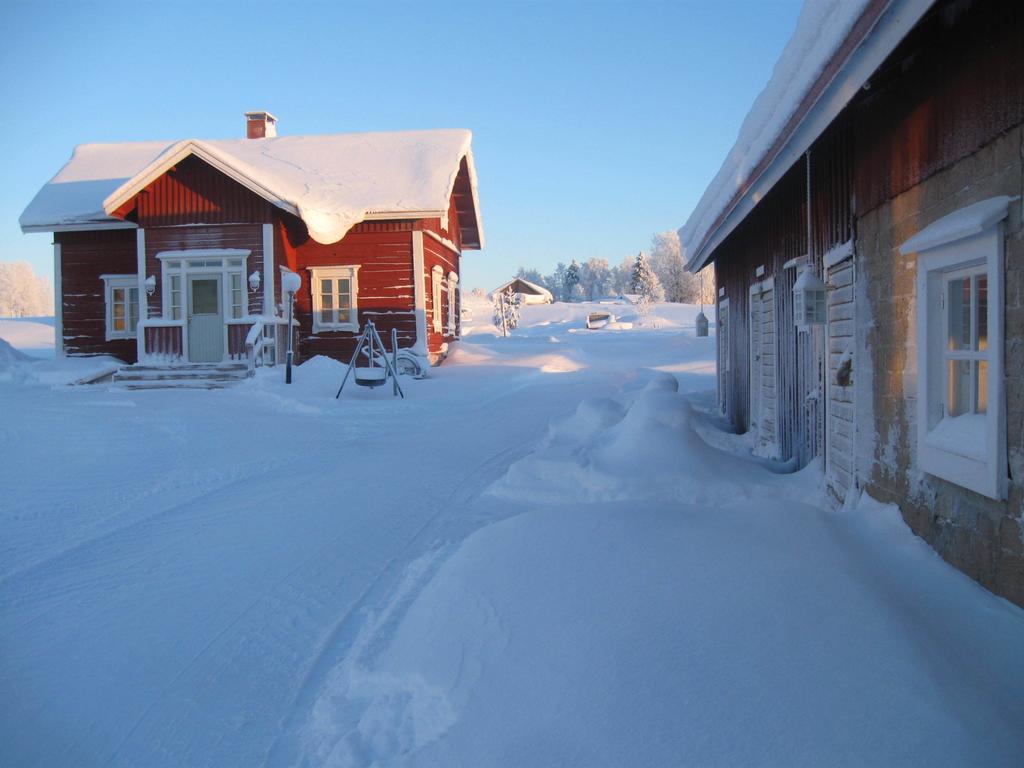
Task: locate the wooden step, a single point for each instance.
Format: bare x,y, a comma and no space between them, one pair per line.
192,375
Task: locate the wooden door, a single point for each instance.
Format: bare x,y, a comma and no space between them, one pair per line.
205,319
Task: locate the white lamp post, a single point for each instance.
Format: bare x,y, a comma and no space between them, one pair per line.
290,284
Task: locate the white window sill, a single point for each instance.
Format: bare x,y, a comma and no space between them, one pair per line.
961,435
347,327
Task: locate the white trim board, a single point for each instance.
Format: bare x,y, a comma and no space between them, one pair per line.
84,226
268,271
444,241
419,293
202,253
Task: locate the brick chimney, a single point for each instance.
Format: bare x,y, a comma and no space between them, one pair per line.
260,125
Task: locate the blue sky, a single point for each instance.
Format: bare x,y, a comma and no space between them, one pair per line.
595,124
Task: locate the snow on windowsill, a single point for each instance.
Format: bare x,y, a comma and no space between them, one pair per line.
962,435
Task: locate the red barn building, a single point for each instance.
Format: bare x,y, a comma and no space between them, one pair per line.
173,253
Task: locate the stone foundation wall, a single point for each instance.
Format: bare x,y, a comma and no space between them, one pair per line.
982,537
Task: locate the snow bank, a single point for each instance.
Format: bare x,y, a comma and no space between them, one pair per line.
32,335
18,368
650,448
821,29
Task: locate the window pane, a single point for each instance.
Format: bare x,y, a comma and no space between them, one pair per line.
174,265
236,295
204,297
344,285
327,301
234,262
958,387
326,287
133,308
327,316
981,386
344,315
981,281
118,308
959,311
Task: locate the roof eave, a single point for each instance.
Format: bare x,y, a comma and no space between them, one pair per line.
79,226
879,40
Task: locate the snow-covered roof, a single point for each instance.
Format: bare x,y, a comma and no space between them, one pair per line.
520,283
836,47
331,182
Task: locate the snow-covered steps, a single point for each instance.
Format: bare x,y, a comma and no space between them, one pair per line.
192,376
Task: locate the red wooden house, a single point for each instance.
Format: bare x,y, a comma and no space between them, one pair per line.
173,252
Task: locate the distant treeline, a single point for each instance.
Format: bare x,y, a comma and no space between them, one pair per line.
595,279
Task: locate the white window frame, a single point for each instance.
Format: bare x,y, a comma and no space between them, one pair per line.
436,279
980,468
335,273
229,263
453,290
129,283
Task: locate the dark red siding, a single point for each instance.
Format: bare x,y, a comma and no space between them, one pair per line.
193,192
84,257
164,341
383,249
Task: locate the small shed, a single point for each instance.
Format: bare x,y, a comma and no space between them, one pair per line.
529,293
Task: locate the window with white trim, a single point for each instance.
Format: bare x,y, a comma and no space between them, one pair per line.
335,300
453,303
121,293
436,278
961,399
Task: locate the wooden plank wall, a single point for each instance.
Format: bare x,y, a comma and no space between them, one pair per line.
952,86
772,235
164,341
841,342
193,192
84,257
385,280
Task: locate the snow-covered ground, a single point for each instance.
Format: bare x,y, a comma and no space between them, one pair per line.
547,554
30,335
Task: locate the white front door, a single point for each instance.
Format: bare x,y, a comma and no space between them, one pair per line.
205,319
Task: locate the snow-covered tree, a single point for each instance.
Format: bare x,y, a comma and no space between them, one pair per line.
23,293
595,279
646,284
506,311
555,282
622,276
572,280
706,278
667,263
